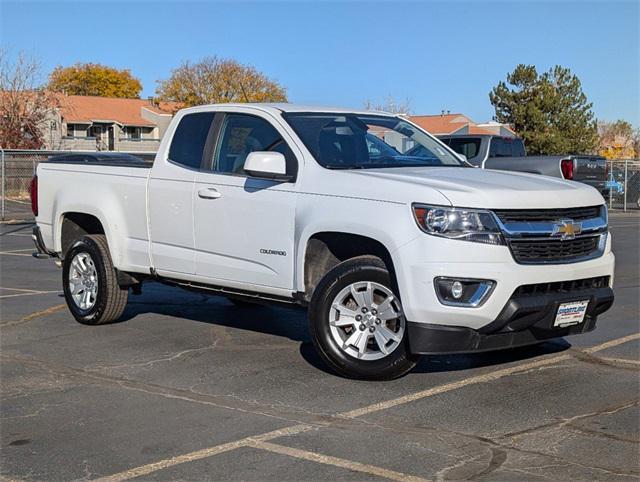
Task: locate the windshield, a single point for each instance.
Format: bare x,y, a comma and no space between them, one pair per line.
352,141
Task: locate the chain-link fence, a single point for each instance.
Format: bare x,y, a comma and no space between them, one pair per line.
18,167
623,183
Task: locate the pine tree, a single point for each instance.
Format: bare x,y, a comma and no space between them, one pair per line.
550,110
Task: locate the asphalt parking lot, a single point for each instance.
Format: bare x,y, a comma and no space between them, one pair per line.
193,388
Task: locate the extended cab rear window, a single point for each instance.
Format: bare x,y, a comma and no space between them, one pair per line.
506,147
189,139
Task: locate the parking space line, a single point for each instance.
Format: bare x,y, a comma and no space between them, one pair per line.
19,289
621,360
204,453
337,462
9,253
487,377
35,293
37,314
376,407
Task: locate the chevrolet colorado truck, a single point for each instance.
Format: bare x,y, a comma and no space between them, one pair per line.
508,154
394,255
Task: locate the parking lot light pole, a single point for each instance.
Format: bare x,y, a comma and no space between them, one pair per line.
626,162
610,181
4,180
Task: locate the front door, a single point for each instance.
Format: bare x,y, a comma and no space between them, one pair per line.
244,226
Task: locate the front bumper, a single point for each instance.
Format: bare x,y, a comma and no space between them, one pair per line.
524,320
420,261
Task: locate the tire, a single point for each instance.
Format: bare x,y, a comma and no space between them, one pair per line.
86,264
363,359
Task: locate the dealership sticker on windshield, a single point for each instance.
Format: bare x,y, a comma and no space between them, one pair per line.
571,313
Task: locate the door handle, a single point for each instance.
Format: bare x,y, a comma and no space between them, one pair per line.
209,193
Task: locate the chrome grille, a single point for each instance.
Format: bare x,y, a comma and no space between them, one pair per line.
546,215
567,235
553,250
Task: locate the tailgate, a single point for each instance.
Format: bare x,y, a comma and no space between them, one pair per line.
589,169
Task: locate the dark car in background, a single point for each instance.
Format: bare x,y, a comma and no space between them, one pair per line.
509,154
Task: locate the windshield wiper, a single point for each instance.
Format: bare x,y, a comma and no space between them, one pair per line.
355,166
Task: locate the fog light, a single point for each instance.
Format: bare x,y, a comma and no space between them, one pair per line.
456,289
463,292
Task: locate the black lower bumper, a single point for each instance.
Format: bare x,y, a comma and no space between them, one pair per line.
525,320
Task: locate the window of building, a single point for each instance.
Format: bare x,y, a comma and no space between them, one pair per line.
71,130
95,131
132,132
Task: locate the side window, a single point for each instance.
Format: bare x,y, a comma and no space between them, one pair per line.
190,138
242,134
470,147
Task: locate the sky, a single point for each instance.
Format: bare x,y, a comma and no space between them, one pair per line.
437,55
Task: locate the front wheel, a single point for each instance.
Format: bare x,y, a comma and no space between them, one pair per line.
357,324
90,284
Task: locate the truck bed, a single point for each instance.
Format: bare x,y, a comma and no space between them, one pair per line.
115,159
587,169
112,187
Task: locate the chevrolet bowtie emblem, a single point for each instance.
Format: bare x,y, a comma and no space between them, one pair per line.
567,229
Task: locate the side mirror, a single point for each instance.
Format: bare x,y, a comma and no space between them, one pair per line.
266,165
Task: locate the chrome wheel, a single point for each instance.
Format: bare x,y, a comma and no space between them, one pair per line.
83,281
366,320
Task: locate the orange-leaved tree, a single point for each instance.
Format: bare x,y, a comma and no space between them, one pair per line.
95,79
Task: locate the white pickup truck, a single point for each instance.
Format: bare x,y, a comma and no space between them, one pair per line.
395,255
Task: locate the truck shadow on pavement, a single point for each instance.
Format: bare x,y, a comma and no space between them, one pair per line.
291,324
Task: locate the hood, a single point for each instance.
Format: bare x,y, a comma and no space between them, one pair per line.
480,188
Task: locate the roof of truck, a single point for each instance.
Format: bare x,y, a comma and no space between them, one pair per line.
286,107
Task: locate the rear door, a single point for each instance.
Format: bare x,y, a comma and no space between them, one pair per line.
170,196
244,226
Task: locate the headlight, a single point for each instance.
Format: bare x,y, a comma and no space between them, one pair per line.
457,223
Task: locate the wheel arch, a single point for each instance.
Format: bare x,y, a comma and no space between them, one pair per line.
323,250
74,224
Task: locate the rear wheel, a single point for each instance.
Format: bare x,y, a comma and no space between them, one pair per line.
90,283
357,323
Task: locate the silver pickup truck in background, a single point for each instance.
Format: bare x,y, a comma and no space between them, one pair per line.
509,154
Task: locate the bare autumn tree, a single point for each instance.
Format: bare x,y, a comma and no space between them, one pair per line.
390,105
214,80
25,106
